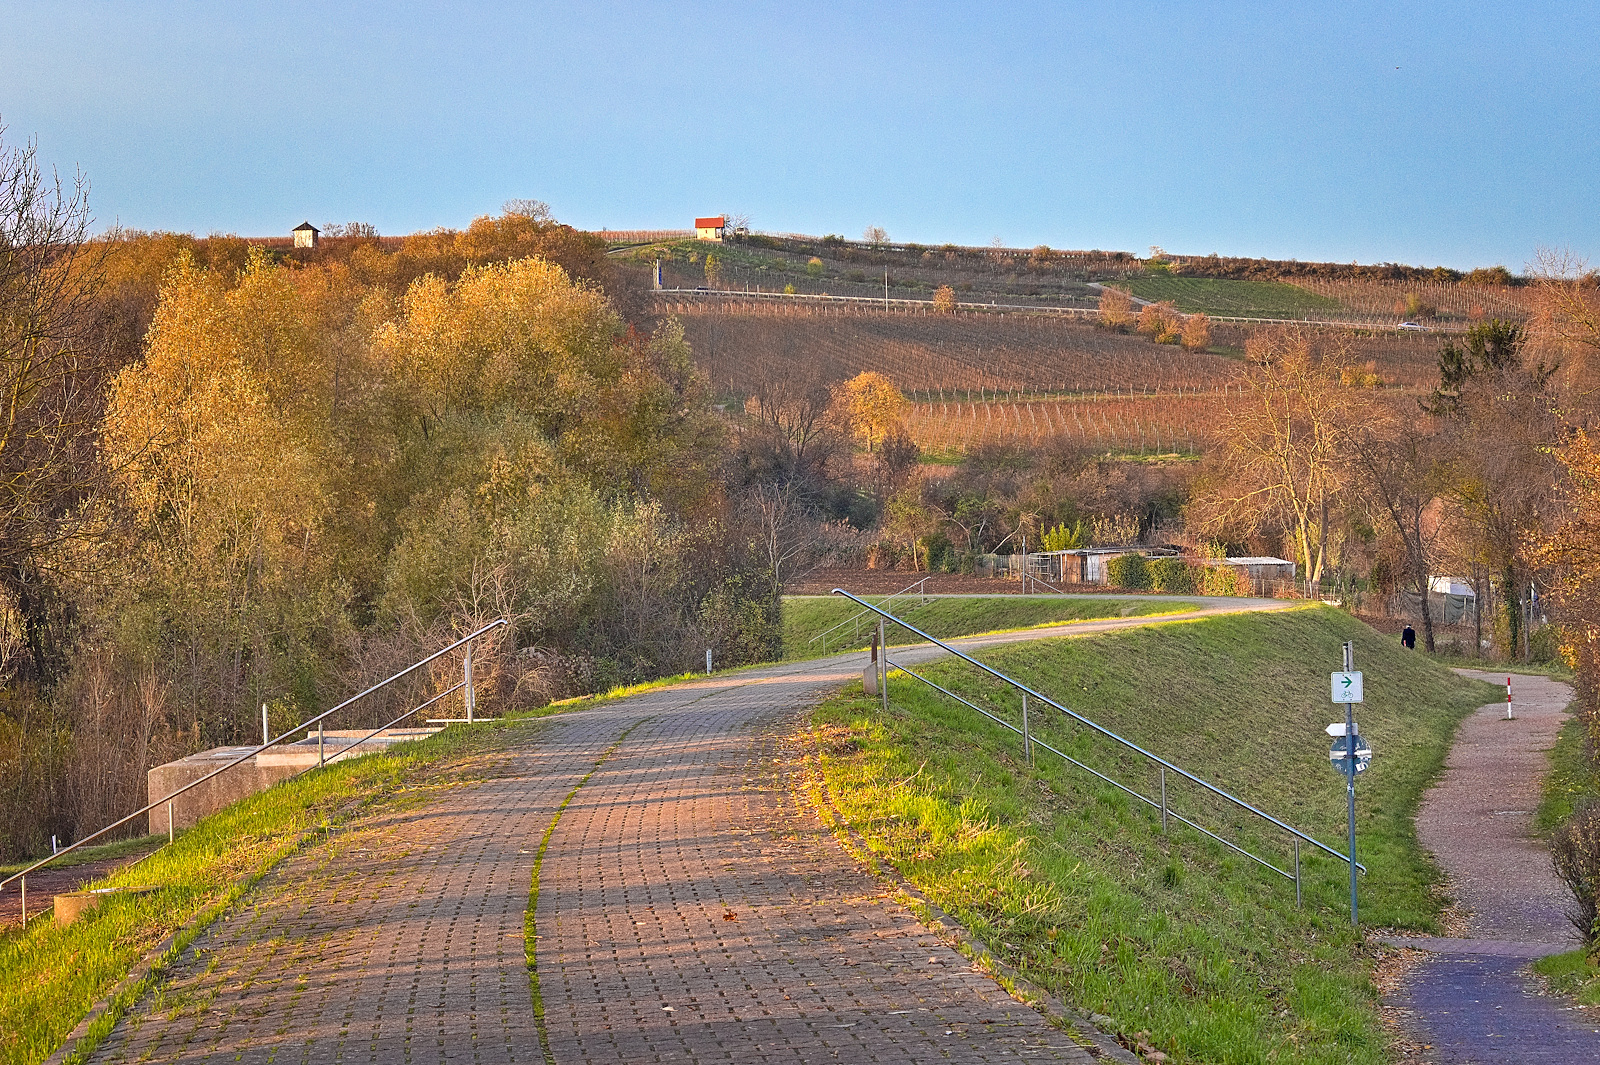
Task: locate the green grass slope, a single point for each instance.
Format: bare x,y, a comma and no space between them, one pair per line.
806,617
1245,299
1073,882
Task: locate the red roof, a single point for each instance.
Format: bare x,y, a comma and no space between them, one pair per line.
710,223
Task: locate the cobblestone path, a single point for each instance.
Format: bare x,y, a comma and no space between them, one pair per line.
688,911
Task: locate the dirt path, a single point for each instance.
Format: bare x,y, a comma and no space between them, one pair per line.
1472,999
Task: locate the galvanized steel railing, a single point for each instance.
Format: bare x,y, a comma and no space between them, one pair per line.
1030,741
466,683
855,619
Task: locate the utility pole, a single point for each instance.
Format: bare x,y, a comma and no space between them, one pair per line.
885,288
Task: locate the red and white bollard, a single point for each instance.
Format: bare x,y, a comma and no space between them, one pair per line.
1508,699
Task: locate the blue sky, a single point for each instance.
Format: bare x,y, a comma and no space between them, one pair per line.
1463,134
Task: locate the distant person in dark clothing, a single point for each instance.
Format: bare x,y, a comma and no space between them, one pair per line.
1409,638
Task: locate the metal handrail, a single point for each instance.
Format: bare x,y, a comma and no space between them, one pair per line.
1157,759
257,750
861,614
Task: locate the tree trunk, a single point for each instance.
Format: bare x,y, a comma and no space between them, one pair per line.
1427,620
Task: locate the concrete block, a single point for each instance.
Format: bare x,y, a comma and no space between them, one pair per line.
253,774
76,904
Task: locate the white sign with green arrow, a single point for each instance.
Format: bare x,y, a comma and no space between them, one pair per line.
1347,687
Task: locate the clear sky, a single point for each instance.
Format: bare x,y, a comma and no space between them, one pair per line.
1464,134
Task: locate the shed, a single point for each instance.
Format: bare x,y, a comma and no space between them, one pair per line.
1082,565
1261,567
305,235
710,228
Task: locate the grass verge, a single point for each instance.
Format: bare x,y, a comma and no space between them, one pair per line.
1199,950
1573,779
50,977
807,616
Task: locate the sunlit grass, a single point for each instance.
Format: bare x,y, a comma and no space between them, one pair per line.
1073,882
806,617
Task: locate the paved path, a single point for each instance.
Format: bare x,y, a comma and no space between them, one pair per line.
688,910
1472,999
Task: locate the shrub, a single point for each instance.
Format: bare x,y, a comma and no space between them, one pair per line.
1172,575
1062,538
1575,850
1116,310
1220,580
944,299
1159,320
1128,571
1197,332
814,267
788,290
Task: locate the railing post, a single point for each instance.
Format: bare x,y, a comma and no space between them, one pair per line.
171,834
1163,800
266,737
24,902
1297,899
321,761
883,664
1027,737
471,696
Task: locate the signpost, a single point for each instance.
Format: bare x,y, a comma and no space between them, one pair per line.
1350,753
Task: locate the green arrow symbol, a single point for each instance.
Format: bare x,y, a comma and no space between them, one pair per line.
1348,681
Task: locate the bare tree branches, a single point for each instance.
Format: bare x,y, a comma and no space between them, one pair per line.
50,373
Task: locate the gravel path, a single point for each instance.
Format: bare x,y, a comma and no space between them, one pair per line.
1472,1000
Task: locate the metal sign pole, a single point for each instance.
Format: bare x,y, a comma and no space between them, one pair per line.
1350,774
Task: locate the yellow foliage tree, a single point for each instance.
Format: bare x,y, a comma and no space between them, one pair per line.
1116,310
1197,332
944,299
871,405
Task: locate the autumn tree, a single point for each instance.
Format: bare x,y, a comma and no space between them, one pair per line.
1159,321
1279,460
944,300
1397,466
871,405
1503,417
1565,324
52,369
1116,309
1196,334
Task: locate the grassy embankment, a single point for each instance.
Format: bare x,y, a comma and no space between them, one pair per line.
1073,882
50,976
1244,299
807,616
1573,779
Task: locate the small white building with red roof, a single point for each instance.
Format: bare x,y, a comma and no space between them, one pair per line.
710,228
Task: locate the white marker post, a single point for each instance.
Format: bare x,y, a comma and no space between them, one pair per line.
1509,715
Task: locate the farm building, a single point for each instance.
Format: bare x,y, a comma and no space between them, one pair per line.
709,228
305,235
1261,567
1084,565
